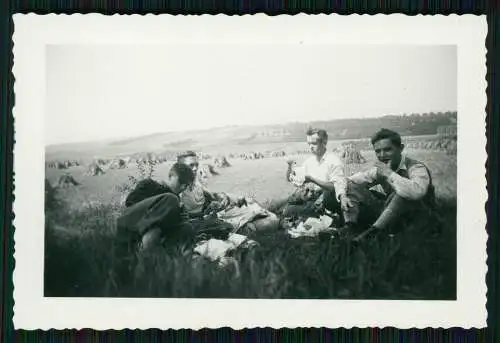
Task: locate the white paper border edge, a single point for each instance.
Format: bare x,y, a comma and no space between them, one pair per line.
33,32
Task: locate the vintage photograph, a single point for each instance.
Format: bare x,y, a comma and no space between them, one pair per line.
251,171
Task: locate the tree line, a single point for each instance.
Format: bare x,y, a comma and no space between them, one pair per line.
413,124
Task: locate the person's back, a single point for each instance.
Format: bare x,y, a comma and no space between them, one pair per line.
144,189
152,218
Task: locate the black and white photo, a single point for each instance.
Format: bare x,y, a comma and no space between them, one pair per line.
242,171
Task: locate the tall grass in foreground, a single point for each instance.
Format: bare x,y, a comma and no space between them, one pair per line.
80,262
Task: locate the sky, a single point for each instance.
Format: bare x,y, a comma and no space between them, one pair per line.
106,92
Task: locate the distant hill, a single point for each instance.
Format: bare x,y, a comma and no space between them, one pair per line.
340,129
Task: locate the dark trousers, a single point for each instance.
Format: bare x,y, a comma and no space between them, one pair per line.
301,205
390,212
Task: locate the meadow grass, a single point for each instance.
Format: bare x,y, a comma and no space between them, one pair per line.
80,259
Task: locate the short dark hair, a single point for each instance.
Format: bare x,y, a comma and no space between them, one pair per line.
393,136
185,154
183,172
322,134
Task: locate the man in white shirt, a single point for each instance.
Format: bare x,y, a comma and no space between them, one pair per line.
321,180
407,184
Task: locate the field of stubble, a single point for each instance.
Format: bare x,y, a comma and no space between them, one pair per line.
80,261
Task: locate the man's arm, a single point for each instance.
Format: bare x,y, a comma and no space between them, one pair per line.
336,180
325,185
166,215
367,177
216,196
209,196
413,188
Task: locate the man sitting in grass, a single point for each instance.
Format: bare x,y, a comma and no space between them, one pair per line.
202,205
153,216
408,191
320,182
154,212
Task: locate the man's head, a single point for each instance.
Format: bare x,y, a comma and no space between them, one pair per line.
317,139
180,177
190,159
388,147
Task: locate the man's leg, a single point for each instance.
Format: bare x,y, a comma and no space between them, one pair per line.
366,207
297,211
330,202
277,205
269,223
394,211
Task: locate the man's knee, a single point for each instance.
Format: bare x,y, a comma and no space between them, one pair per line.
357,191
151,239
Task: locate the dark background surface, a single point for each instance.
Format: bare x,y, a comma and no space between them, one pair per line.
7,8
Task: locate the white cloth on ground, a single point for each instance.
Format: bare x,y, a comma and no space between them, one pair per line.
312,227
216,249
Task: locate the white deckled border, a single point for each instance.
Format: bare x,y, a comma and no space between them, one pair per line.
33,33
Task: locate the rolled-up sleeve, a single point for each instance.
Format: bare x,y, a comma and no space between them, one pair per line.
337,177
413,188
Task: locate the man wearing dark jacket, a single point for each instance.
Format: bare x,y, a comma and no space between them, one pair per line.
153,215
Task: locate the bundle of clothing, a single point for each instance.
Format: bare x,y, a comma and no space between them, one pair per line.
311,227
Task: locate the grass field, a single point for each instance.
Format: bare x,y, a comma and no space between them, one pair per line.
80,261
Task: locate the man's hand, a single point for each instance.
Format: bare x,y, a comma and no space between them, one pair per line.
345,203
319,204
383,170
308,178
226,201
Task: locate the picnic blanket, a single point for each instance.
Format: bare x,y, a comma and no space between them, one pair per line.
311,227
216,250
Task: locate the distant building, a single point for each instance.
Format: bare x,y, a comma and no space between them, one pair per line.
448,131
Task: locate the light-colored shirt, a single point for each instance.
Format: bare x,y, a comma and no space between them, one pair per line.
412,188
193,198
328,169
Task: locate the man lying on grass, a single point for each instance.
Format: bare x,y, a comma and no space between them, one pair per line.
408,196
154,212
203,206
153,216
321,182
